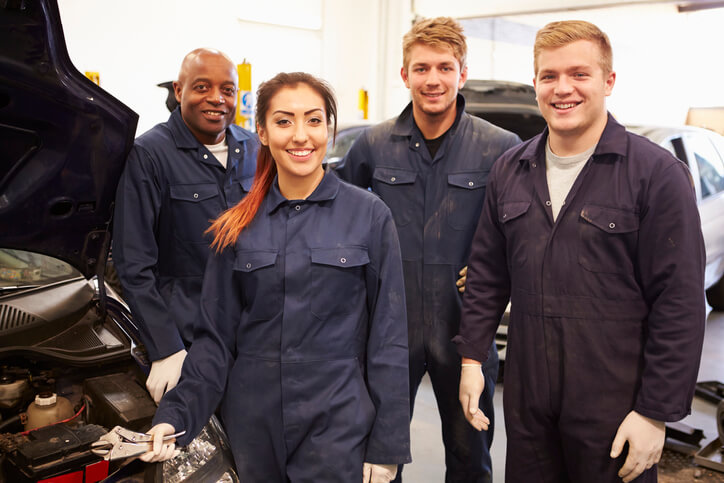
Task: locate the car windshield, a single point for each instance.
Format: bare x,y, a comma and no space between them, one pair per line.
20,269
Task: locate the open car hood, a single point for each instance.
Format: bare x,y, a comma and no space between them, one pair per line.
63,142
510,105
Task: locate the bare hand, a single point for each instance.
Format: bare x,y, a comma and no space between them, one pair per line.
372,473
165,374
463,278
472,383
161,450
645,438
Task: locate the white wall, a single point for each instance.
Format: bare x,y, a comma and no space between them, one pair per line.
665,61
136,44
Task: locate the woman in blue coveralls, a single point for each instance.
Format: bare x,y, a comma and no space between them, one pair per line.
304,338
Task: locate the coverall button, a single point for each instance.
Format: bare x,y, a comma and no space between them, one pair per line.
417,145
612,225
206,156
298,207
393,179
548,202
343,260
236,150
470,183
505,215
534,165
248,265
196,195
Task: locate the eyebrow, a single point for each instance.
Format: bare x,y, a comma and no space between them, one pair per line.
306,113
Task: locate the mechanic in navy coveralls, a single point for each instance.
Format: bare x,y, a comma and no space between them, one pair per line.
594,234
430,166
179,175
303,308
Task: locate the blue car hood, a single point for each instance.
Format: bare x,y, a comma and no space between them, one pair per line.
63,142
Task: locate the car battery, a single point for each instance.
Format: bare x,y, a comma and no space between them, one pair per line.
56,453
119,400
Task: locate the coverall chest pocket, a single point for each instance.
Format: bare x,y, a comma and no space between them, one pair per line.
261,285
193,205
338,280
396,186
465,195
608,237
512,217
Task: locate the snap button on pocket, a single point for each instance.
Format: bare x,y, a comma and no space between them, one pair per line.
534,165
470,183
393,179
206,156
248,265
236,150
612,225
548,202
196,195
343,260
298,207
505,215
417,145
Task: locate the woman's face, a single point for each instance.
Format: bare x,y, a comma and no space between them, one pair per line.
296,133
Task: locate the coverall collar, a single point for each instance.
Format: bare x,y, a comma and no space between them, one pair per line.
613,141
184,138
405,123
326,190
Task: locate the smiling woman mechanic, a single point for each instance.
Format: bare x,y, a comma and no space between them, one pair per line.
303,310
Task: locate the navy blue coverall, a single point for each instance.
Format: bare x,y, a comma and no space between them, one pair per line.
306,315
171,187
436,204
608,305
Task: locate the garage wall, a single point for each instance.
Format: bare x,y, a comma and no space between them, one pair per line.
665,61
137,44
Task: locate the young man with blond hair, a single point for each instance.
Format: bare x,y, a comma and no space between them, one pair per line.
594,234
430,166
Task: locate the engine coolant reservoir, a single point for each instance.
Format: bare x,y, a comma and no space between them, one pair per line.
48,409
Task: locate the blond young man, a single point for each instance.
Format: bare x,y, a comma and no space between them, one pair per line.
430,166
594,235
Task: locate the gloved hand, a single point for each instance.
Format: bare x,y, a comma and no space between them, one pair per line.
372,473
165,374
645,438
472,383
463,278
161,450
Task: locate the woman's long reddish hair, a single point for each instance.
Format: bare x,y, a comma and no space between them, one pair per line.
229,225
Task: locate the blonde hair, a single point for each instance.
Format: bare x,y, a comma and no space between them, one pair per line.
560,34
436,32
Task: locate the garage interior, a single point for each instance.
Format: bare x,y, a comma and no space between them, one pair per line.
665,54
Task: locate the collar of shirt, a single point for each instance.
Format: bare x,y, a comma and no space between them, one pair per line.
183,137
613,141
405,123
326,190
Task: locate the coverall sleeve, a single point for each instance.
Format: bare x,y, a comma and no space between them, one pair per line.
387,351
191,403
135,253
487,289
357,165
671,261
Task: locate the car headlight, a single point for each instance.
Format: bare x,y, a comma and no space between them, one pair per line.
206,459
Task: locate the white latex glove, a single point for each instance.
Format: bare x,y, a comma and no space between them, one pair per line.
165,374
161,450
472,383
372,473
645,438
463,278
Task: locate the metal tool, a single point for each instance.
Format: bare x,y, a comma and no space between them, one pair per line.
121,443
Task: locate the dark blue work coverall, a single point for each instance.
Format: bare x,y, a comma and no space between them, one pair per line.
608,308
306,315
436,204
171,187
